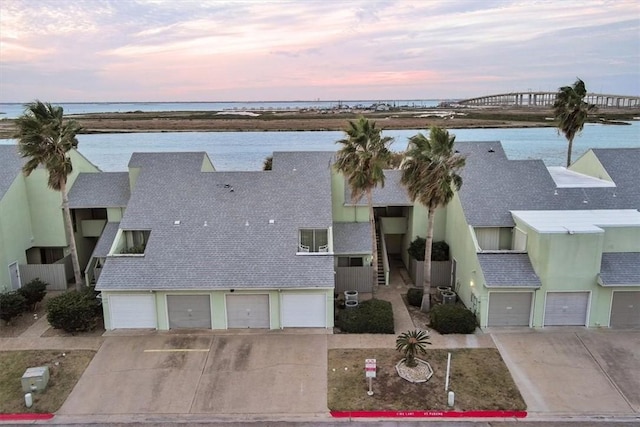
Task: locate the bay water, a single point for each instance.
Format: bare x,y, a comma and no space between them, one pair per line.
247,150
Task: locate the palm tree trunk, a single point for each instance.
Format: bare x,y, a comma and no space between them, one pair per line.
426,296
569,150
374,245
70,237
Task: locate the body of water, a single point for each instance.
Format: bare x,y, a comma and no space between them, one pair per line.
247,150
13,110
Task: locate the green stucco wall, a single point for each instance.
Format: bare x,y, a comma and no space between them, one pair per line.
589,164
342,213
15,229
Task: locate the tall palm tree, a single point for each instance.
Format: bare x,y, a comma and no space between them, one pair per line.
571,111
45,138
362,158
430,174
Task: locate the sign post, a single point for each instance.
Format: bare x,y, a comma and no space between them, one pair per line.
370,373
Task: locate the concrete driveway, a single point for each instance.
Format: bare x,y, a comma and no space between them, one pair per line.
204,374
583,371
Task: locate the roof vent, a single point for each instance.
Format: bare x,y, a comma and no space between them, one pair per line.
272,221
205,224
176,222
491,150
246,224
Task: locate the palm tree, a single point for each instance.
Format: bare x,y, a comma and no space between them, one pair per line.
362,158
430,174
45,138
410,344
571,111
268,163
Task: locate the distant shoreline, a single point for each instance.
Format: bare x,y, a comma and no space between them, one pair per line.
333,120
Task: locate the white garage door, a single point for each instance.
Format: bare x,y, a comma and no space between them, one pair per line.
509,308
189,311
304,311
132,311
566,309
248,311
625,310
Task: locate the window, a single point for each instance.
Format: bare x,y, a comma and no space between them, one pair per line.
345,261
313,240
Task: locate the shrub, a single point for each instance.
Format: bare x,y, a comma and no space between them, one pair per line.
370,317
33,292
74,311
439,250
414,296
453,319
416,248
11,304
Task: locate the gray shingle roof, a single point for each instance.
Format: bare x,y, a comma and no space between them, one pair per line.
507,270
100,190
351,238
224,238
620,269
10,166
392,194
494,185
106,240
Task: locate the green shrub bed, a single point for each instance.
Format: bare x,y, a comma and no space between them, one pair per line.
370,317
452,319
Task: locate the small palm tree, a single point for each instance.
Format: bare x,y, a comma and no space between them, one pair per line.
362,158
430,174
410,344
45,139
571,111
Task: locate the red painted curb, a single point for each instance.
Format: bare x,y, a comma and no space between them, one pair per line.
428,414
25,417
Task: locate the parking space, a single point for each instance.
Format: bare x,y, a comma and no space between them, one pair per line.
205,374
574,372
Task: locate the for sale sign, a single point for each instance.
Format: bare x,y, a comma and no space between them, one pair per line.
370,368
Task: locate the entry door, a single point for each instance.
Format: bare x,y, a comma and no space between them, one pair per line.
14,275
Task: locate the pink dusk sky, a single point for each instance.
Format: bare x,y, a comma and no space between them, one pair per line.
246,50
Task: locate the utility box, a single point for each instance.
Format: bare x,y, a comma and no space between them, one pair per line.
35,379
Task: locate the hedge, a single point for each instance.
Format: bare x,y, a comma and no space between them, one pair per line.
373,316
74,311
33,292
452,319
11,304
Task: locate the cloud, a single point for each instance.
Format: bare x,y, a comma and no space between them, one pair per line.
200,50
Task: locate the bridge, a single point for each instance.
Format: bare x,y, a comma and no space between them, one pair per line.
546,99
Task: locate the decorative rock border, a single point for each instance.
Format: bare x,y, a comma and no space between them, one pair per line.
418,374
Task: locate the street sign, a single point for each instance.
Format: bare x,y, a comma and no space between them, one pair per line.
370,368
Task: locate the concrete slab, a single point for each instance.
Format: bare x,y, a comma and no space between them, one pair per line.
204,374
124,378
618,354
264,374
556,373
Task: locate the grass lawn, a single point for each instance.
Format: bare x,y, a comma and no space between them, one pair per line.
62,378
479,378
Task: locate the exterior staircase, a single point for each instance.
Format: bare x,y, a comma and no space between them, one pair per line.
380,279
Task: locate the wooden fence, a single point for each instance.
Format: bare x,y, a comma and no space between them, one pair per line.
56,275
354,279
